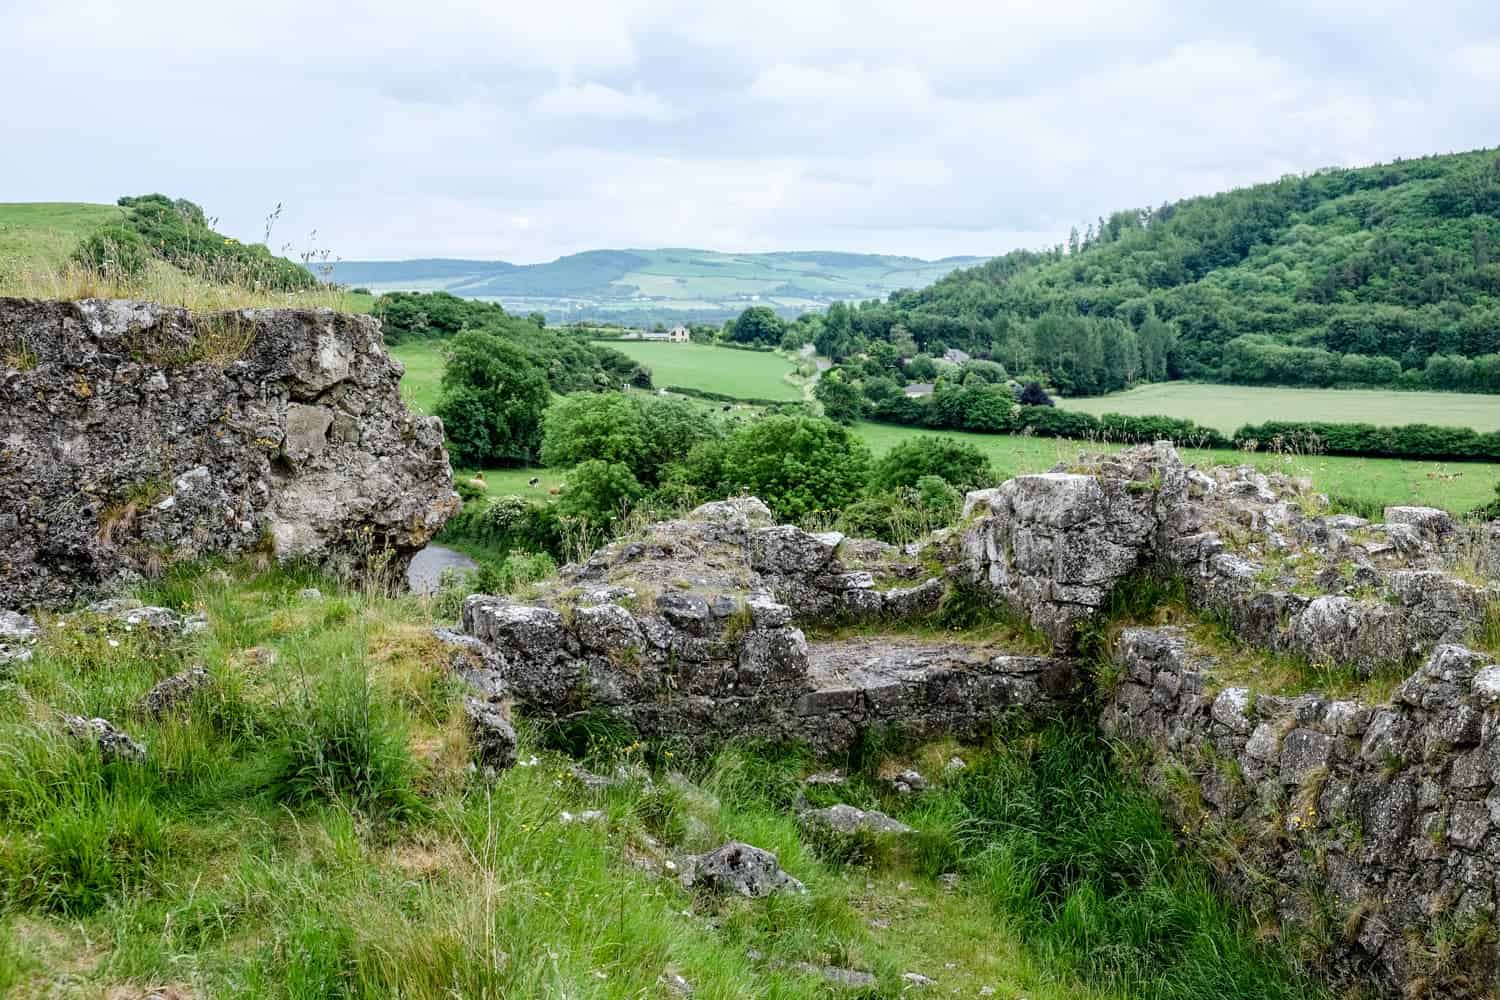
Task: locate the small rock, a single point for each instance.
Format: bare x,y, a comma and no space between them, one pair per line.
310,594
491,730
954,764
742,869
676,985
588,816
173,691
848,821
114,743
907,782
949,881
825,778
917,979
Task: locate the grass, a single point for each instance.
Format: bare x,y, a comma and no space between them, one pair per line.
1229,407
1364,484
742,374
307,826
37,240
46,232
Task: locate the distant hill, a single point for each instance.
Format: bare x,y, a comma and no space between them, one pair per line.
1379,275
648,285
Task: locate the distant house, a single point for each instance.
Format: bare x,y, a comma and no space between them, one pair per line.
917,390
679,334
956,356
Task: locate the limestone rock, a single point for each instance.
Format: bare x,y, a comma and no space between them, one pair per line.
115,745
847,821
742,869
492,735
171,692
278,427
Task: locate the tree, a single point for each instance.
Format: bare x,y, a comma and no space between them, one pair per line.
599,492
920,369
757,325
1032,394
797,465
957,463
493,397
836,338
594,425
841,400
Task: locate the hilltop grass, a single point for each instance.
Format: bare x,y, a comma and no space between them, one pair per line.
37,241
1227,408
307,826
741,374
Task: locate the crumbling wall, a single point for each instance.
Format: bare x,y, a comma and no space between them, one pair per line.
1371,827
135,435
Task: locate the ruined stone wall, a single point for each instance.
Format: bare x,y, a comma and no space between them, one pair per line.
1373,828
134,435
691,633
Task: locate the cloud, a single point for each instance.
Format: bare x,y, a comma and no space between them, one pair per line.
524,131
597,100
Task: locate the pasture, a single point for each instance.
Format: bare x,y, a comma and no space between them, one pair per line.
742,374
45,233
1229,407
1365,483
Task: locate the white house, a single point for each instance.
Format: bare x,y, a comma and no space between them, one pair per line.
678,334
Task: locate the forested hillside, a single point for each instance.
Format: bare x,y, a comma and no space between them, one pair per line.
1385,275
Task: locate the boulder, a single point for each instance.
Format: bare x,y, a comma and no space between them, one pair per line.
168,694
280,430
847,821
491,733
115,745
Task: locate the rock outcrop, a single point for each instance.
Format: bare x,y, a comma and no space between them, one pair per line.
684,633
136,435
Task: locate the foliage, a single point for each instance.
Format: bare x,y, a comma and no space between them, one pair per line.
1339,277
955,462
756,325
177,232
841,400
599,492
1408,441
797,465
642,433
492,401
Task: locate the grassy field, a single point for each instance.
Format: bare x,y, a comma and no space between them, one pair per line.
1229,407
1369,482
47,232
308,826
743,374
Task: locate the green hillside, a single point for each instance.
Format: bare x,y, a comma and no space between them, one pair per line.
643,285
1383,275
46,231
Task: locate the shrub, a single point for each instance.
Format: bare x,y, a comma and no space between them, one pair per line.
492,401
600,492
958,463
797,465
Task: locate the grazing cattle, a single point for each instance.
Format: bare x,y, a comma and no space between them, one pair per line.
554,491
726,407
532,481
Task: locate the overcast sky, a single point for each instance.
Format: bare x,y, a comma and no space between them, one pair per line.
525,130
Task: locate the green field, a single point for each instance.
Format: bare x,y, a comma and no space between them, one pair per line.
1372,482
743,374
47,232
1229,407
424,373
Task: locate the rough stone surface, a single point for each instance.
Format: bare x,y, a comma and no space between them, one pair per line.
685,633
115,745
18,633
491,733
740,869
1054,545
847,821
1388,812
171,692
143,435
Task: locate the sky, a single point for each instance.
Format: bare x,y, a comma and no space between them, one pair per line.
495,129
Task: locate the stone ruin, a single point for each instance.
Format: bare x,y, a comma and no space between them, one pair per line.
135,435
1377,813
